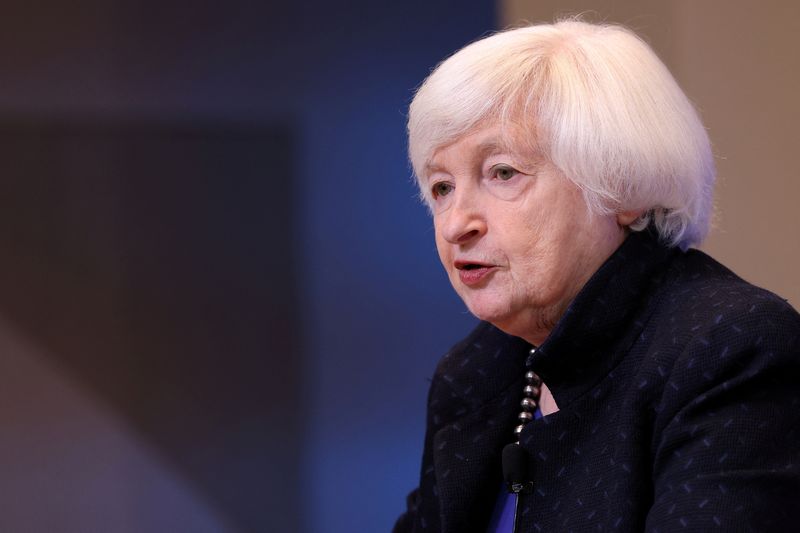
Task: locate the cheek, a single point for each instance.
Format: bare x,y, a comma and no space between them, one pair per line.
545,258
529,240
545,270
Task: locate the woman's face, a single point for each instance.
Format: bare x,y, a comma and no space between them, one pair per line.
515,237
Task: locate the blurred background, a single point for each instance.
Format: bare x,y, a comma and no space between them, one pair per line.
220,302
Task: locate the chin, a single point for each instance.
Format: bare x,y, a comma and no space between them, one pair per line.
532,325
491,312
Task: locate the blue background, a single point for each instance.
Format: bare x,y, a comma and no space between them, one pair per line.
380,309
372,310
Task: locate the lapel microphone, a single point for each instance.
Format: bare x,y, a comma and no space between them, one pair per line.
515,474
515,469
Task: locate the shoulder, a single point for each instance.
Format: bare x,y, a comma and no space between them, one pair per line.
726,418
723,342
704,301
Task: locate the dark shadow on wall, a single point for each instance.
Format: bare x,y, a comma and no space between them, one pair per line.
157,261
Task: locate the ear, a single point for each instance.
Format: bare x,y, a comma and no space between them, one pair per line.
626,218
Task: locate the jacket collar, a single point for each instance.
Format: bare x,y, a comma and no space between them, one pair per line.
578,351
604,319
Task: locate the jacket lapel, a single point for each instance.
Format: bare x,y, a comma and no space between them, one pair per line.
466,458
472,409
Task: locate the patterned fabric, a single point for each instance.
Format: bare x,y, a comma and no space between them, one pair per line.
679,393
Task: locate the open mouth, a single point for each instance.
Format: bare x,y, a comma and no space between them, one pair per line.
473,274
463,265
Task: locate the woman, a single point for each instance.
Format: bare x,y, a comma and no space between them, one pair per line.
640,385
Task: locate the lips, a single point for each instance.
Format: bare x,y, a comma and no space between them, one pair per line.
472,273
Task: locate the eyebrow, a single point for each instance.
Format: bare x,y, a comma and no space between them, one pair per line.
488,146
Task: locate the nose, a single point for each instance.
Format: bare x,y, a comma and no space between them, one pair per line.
464,221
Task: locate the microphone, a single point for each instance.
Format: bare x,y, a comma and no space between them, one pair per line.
515,469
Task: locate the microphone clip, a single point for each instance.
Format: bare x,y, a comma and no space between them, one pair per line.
515,469
517,487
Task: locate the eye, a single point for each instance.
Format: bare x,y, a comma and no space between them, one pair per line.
503,172
441,188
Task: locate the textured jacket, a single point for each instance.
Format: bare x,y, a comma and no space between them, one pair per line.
678,386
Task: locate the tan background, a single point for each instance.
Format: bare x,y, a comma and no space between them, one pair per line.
739,65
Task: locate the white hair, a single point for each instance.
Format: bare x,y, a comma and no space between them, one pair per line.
597,102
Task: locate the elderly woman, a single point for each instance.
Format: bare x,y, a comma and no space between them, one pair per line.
624,381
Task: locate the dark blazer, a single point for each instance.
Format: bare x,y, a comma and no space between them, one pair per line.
679,393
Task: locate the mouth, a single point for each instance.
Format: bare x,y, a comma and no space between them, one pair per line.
471,273
467,265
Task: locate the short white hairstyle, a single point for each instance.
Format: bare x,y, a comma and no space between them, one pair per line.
596,101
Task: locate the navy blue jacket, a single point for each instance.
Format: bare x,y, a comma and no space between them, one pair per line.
678,386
